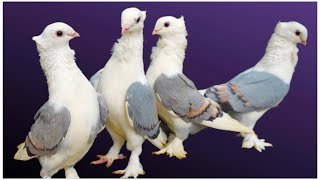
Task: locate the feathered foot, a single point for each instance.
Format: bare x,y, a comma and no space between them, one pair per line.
108,159
71,173
132,170
252,140
173,148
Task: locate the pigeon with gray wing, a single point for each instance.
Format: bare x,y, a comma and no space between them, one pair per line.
133,113
253,92
67,124
179,103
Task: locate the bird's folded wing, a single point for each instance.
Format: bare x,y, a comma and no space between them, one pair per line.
142,111
94,80
178,94
103,108
249,91
50,127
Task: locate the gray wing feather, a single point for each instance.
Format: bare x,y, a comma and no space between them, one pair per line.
51,126
103,108
250,91
94,80
179,94
142,110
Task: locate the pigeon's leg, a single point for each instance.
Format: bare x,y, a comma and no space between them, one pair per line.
113,153
134,168
175,145
51,164
251,140
71,173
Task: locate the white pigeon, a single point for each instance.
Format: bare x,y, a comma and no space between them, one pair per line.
253,92
67,124
179,103
132,110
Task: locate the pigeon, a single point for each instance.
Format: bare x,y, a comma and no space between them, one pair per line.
179,104
253,92
132,109
67,124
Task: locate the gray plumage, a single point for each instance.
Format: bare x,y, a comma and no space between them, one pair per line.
142,110
94,80
51,126
179,94
103,108
103,116
255,91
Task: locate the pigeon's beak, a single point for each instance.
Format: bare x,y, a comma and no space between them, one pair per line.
74,34
303,43
124,30
155,31
35,38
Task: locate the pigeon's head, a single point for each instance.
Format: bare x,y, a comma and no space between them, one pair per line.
168,26
55,35
132,20
293,32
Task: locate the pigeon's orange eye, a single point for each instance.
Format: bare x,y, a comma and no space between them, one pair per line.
298,33
59,33
166,24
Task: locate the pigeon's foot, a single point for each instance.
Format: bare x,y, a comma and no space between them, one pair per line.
132,170
108,159
252,140
174,148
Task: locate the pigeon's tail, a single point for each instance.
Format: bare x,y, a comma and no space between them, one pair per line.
94,80
162,138
227,123
22,153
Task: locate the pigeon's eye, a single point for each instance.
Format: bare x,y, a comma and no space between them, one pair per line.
166,24
59,33
298,32
138,20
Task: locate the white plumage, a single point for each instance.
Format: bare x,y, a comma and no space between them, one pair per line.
167,58
123,69
69,88
279,60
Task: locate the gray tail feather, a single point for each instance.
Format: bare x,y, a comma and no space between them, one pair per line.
162,138
22,153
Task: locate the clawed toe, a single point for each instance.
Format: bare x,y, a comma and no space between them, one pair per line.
179,154
253,141
102,160
105,158
119,172
121,156
162,151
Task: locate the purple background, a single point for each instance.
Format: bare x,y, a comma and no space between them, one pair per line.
224,40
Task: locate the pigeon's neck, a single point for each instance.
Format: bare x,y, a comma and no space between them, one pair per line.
129,48
170,51
178,42
280,58
59,67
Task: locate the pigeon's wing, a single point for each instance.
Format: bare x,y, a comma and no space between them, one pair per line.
249,91
94,80
142,110
50,127
179,95
103,115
